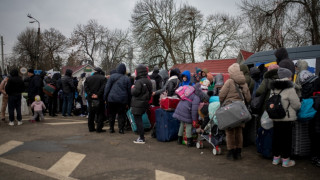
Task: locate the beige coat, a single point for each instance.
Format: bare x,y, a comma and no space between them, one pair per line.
289,98
228,92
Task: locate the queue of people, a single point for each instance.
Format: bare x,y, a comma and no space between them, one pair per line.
101,97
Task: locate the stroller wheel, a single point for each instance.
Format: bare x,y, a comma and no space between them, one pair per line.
218,150
214,151
198,145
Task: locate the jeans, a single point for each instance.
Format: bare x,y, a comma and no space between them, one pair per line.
67,103
14,103
52,105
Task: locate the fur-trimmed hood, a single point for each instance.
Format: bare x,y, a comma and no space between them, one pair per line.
272,74
281,84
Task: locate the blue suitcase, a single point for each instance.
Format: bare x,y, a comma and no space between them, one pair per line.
145,121
167,127
264,142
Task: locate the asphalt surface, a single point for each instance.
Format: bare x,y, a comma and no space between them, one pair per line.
115,156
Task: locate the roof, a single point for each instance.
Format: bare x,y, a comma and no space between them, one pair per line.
74,68
246,54
306,52
213,66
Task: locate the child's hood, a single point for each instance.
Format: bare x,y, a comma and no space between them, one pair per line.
214,99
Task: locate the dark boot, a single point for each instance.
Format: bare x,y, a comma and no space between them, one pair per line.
230,154
237,154
111,130
179,140
190,142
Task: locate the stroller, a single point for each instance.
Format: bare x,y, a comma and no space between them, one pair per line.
213,136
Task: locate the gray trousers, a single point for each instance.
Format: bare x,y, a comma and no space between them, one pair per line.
38,113
188,129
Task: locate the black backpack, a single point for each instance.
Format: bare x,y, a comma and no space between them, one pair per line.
274,106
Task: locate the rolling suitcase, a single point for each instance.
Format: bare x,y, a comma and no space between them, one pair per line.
167,127
301,144
264,142
145,121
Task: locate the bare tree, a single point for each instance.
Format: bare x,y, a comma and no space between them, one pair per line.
158,21
114,48
190,27
26,47
88,38
281,23
220,33
55,44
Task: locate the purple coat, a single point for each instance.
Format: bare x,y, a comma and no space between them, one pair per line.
187,111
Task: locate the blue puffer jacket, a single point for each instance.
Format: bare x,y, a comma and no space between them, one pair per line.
188,75
187,111
118,87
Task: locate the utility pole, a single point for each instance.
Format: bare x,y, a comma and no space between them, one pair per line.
130,56
2,55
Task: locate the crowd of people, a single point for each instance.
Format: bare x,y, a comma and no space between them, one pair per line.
101,98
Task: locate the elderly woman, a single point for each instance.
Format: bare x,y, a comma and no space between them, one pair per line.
229,93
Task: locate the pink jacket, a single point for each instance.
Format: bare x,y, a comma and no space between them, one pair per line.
38,105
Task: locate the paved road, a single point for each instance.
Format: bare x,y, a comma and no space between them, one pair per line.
62,148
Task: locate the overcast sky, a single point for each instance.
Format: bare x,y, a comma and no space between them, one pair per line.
64,15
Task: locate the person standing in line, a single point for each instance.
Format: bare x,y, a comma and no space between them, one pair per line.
141,93
14,88
282,128
227,95
68,89
94,87
81,91
118,95
4,98
35,86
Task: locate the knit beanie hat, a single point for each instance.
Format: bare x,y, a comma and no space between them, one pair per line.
214,99
284,73
198,70
273,66
83,75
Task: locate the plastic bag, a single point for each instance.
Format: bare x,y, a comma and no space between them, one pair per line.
266,122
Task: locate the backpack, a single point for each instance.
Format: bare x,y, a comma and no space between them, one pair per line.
306,111
274,106
185,91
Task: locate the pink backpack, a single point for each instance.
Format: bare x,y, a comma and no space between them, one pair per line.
185,91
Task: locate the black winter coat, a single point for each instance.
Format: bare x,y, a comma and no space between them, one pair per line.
67,84
118,87
141,92
35,86
95,85
15,84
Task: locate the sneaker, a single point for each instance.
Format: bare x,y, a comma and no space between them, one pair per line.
11,123
287,162
139,141
20,123
276,160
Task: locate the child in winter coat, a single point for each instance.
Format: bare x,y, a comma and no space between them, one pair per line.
186,78
204,84
282,129
141,93
187,113
38,107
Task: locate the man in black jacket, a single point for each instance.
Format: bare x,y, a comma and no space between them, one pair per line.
94,87
14,88
35,86
68,89
118,95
